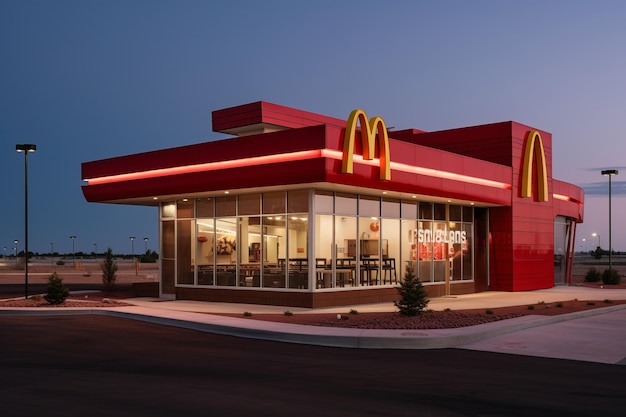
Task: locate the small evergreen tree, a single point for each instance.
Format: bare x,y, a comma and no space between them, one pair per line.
413,299
109,269
57,292
611,277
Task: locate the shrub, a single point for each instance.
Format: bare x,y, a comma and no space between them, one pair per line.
607,301
247,313
56,292
353,311
559,305
288,313
610,277
531,307
60,262
413,299
489,311
593,275
109,270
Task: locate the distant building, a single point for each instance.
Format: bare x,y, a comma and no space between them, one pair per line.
300,209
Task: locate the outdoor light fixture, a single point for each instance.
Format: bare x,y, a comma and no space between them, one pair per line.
610,173
594,234
26,148
145,239
73,253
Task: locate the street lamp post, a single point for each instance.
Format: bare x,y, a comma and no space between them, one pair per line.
52,252
132,252
145,239
73,252
610,173
95,251
26,148
15,250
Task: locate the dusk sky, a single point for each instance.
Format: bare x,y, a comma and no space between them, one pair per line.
87,80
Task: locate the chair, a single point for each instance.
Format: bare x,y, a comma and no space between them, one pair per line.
389,270
369,268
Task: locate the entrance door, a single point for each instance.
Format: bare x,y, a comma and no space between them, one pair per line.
560,250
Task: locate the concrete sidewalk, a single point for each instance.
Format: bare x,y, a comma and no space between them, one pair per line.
593,335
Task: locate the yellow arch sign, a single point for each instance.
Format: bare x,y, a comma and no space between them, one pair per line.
369,131
534,149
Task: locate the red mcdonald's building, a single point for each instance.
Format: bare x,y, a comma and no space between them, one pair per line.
301,209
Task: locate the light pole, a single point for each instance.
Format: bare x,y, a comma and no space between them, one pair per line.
52,252
73,252
26,148
145,239
5,253
132,252
95,251
610,173
15,250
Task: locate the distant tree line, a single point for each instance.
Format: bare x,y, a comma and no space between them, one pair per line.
149,257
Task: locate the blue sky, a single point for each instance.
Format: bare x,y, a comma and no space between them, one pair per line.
87,80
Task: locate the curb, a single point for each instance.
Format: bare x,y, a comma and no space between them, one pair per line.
320,336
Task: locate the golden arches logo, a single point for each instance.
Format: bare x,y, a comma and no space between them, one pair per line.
534,149
370,130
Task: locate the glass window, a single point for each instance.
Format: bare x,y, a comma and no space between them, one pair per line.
205,250
226,251
297,261
168,210
390,246
184,208
369,206
274,244
468,214
391,208
455,213
298,201
323,202
455,251
440,251
249,204
204,207
323,250
225,206
345,250
409,245
426,211
440,211
425,242
274,203
250,240
345,204
184,247
168,244
467,240
409,209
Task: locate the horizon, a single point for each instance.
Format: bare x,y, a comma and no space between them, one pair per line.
86,81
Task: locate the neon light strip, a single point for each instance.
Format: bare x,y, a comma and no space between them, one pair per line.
566,198
209,166
397,166
288,157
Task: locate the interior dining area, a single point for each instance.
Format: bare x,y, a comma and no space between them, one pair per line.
314,241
